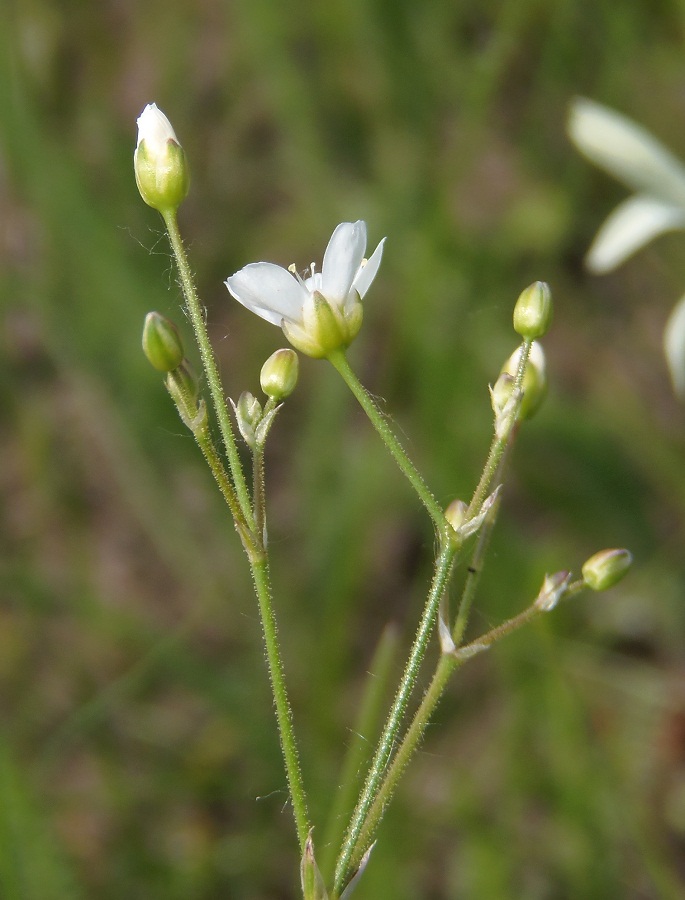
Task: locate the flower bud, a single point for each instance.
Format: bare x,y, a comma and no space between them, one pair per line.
162,342
159,162
533,311
534,380
248,413
456,513
606,568
553,589
278,377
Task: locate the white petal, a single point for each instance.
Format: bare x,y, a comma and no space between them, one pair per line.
633,223
626,150
341,261
269,291
154,128
367,273
674,347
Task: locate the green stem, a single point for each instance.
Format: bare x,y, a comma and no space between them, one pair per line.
476,564
379,422
447,665
365,729
410,742
262,584
258,484
252,542
203,436
443,569
499,442
209,364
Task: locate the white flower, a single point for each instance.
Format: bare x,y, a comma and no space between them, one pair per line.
674,347
632,155
323,312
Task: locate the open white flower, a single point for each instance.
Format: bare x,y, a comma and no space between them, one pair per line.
320,313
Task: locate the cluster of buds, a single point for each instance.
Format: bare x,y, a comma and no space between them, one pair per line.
278,380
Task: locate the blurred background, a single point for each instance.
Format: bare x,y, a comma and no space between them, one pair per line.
138,752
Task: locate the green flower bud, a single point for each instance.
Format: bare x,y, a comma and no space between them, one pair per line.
534,380
159,162
278,377
533,311
606,568
162,342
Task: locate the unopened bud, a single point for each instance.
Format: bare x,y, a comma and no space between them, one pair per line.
278,377
553,589
161,342
533,311
456,513
606,568
248,413
534,379
159,162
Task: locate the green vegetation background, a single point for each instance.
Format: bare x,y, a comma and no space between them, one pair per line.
138,754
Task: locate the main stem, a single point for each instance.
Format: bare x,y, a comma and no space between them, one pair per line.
447,665
443,568
209,365
339,360
262,584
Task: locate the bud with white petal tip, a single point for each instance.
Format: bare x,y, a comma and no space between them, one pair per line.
159,162
533,311
606,568
278,377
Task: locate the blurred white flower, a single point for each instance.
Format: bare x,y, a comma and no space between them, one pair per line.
674,347
635,157
320,313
